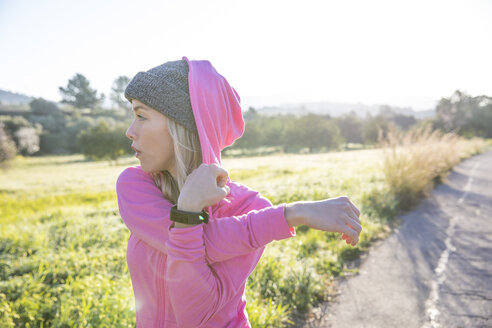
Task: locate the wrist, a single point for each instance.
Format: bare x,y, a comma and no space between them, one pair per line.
183,225
293,214
183,206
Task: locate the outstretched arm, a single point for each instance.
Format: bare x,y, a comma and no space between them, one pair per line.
233,236
202,188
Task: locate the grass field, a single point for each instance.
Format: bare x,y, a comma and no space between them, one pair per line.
63,243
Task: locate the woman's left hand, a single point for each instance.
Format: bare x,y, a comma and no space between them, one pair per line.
205,186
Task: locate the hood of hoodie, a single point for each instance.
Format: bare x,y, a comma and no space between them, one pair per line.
217,110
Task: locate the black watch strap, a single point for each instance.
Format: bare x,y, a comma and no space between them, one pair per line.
188,217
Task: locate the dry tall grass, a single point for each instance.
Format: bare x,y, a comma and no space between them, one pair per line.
414,161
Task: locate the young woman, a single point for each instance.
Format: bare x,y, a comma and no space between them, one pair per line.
196,235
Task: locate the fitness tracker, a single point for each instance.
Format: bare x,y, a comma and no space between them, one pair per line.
188,217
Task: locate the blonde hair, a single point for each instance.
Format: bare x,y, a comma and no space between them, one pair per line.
188,156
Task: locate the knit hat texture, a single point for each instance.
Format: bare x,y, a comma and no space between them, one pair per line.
165,88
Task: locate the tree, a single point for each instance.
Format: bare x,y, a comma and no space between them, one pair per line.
79,94
105,142
314,132
7,146
273,129
251,114
24,135
372,126
350,126
13,123
465,115
404,121
481,121
454,112
117,93
40,106
252,136
28,140
386,111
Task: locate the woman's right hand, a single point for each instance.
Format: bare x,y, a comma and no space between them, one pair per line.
334,215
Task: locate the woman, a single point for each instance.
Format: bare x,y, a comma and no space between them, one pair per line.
193,273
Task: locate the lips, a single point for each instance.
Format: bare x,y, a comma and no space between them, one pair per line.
135,149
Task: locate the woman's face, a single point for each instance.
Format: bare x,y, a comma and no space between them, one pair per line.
151,139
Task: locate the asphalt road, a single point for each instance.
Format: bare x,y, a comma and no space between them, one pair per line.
435,270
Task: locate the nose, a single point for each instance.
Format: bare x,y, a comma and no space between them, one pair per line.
130,132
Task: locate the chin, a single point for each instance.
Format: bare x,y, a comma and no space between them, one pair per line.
152,169
148,170
144,167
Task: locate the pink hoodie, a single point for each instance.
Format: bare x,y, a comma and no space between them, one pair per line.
196,276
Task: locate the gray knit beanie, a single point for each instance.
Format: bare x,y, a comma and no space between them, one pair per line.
165,88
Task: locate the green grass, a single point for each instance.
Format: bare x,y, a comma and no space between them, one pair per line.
63,243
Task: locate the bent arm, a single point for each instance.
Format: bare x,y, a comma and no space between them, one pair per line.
143,209
145,212
196,290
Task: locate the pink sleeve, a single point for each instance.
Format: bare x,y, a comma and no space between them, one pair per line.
233,236
143,208
191,279
145,212
196,290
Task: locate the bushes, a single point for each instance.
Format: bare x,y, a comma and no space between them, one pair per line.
283,289
105,142
416,160
24,135
316,132
7,146
266,313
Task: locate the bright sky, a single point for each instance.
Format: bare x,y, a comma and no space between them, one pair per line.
402,53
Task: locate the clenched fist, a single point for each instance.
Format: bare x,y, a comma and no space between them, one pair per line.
204,187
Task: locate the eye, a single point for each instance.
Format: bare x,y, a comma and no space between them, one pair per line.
141,117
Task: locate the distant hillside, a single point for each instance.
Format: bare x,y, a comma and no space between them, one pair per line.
11,98
326,107
338,109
